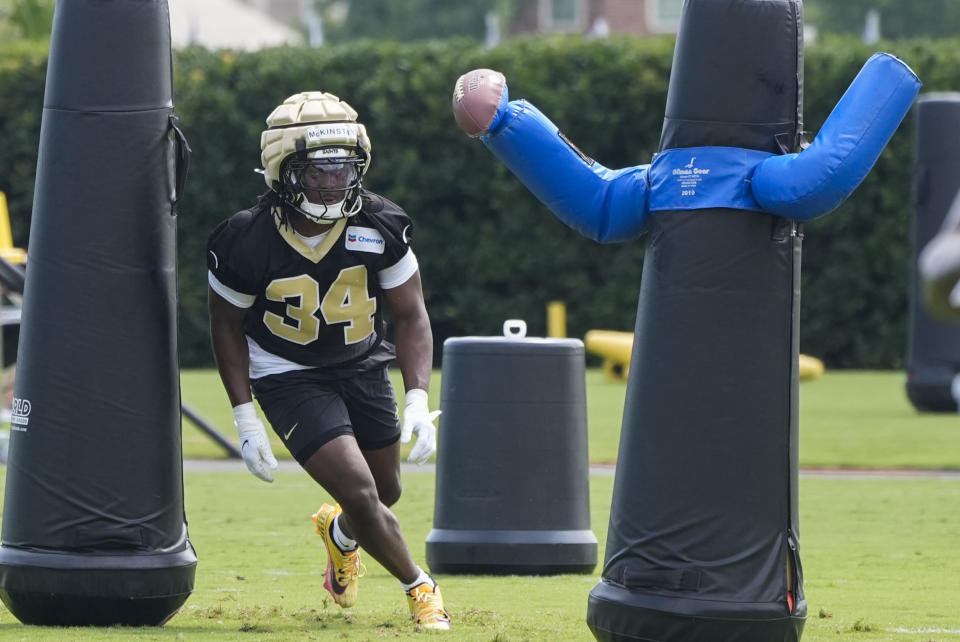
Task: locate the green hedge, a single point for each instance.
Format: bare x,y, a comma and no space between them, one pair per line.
488,250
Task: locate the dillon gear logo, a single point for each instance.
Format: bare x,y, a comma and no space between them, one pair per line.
21,414
689,177
365,239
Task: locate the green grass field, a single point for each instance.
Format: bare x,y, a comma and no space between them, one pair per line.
880,554
847,419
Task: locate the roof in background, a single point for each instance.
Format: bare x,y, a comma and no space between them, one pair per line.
226,24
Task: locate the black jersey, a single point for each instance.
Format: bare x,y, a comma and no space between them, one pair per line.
314,306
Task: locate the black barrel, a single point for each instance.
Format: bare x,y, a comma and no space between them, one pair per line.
934,346
703,537
94,531
512,492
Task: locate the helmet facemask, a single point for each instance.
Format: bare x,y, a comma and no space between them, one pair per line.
314,154
323,184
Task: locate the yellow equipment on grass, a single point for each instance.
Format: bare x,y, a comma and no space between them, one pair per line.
556,319
616,347
7,251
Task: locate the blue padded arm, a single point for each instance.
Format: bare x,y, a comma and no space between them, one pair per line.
811,183
602,204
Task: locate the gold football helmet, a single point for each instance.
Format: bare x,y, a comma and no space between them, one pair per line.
314,155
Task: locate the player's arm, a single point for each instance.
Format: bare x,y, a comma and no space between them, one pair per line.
414,341
233,363
412,333
230,347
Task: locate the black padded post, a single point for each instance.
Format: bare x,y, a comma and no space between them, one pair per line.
934,345
703,537
94,531
512,492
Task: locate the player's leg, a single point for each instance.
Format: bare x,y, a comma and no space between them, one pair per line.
341,469
370,400
384,464
373,413
311,418
307,413
375,454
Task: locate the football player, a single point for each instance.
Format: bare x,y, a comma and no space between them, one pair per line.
939,266
297,288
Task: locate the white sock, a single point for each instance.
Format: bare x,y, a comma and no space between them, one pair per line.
423,577
343,542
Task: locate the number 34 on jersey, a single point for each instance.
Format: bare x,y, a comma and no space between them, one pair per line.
346,301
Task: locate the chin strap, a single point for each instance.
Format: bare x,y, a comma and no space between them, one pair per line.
322,213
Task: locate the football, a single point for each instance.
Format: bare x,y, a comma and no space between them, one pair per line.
476,97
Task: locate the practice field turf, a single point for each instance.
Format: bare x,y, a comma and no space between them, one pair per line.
880,553
847,419
880,559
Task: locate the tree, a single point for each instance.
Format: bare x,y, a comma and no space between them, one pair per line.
411,19
898,18
27,19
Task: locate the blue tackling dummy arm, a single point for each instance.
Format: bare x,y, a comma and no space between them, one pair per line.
614,205
602,204
811,183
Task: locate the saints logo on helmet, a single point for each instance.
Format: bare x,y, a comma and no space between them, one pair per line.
314,155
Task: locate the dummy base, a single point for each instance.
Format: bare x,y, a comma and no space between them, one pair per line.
618,614
50,588
491,552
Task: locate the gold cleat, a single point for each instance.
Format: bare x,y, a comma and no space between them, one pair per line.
343,568
426,608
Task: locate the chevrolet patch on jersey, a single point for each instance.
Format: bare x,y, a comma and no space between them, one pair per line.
364,239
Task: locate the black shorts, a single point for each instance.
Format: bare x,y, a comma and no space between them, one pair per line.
308,408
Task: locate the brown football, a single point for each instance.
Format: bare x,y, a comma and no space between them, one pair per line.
476,96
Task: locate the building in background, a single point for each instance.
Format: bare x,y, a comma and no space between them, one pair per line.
230,24
588,17
302,15
289,12
598,17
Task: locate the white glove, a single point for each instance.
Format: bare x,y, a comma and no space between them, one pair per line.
417,418
254,445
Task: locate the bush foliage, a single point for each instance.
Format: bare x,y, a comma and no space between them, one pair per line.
488,249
